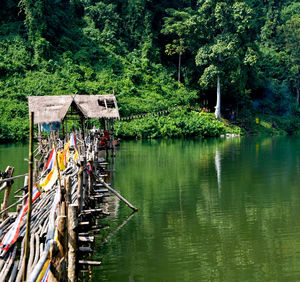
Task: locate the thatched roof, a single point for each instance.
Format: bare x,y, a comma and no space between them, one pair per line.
54,108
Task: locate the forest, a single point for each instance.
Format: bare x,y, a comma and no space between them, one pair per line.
155,55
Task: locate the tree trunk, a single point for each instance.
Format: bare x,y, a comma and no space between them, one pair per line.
218,105
179,66
298,94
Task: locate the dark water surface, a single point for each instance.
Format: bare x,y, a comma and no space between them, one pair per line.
209,210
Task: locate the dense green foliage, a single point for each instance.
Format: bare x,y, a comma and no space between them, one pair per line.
180,123
154,54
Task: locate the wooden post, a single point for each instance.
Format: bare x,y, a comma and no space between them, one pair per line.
79,187
54,275
57,166
64,212
85,187
9,172
27,236
90,180
68,190
113,139
83,135
61,228
72,242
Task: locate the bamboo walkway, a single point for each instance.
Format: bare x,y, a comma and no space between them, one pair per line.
67,200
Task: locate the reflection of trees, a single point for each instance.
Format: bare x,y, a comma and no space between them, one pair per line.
186,229
218,169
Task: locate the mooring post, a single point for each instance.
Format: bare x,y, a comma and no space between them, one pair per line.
85,187
90,180
55,274
27,236
9,172
68,190
72,242
79,187
63,228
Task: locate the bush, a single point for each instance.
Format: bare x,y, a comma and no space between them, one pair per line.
179,123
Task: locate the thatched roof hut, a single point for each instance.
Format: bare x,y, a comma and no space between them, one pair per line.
55,108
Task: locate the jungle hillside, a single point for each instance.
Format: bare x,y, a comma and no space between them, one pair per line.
226,56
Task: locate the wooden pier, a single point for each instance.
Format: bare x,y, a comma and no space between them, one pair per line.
67,187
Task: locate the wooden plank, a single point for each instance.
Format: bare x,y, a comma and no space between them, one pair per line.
86,239
89,262
101,191
84,223
91,211
86,249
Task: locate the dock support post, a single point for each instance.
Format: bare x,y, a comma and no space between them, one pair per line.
72,242
67,183
79,187
26,253
9,172
90,181
61,228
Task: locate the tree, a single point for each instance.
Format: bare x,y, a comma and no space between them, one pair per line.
290,29
179,23
226,51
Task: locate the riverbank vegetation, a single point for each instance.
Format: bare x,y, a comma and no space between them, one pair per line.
155,55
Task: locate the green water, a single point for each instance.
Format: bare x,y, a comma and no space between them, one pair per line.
209,210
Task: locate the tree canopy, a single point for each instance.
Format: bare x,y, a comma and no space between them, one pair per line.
154,54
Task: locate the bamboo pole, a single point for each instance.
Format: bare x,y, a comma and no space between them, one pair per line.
68,190
14,272
72,242
31,118
117,194
90,181
12,178
9,170
79,188
14,204
61,226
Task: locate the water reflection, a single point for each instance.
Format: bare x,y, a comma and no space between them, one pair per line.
218,169
209,210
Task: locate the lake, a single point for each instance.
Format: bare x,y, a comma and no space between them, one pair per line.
209,210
